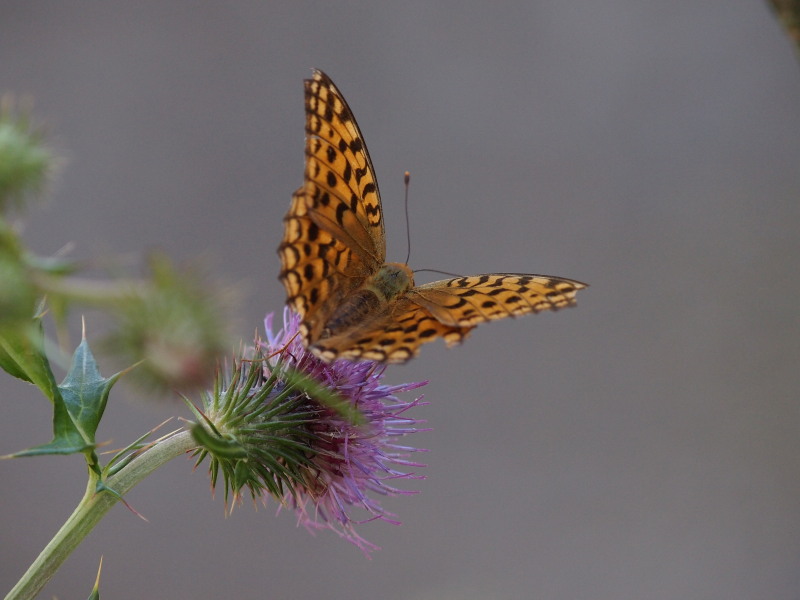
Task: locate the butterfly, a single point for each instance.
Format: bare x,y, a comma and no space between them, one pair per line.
352,303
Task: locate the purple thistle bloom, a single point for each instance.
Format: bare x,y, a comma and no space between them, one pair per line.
350,462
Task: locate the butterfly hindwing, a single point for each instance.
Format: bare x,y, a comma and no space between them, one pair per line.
448,309
317,269
393,335
468,301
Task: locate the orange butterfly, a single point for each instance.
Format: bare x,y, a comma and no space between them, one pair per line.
353,304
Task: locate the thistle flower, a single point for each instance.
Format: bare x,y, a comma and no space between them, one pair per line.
275,426
25,160
169,321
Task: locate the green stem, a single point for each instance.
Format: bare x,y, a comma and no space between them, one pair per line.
92,507
91,291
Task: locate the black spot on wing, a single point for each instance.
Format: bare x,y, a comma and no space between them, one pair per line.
341,208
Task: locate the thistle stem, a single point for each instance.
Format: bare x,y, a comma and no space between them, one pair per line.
91,509
91,291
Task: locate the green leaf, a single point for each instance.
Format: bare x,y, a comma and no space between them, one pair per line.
22,355
66,437
8,363
78,405
85,392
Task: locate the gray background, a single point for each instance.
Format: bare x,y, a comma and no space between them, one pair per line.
643,445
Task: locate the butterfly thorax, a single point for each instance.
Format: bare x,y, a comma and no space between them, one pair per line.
390,282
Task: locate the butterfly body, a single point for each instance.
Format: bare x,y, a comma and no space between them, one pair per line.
353,304
381,289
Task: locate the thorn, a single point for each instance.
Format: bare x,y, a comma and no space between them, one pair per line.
285,346
99,570
134,511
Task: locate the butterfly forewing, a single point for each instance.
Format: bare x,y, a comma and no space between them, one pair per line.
333,251
339,178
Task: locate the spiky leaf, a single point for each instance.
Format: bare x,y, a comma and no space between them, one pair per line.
78,405
85,391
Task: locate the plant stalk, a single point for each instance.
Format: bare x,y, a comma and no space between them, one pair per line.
91,509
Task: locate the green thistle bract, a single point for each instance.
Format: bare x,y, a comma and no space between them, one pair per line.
268,428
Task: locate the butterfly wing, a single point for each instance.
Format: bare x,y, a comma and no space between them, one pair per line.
340,181
449,309
333,233
469,301
393,335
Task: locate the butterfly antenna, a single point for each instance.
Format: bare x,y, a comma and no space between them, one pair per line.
448,273
407,179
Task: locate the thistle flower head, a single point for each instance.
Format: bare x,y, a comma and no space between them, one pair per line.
171,322
321,438
25,160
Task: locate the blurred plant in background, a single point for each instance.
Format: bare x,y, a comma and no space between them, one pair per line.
788,13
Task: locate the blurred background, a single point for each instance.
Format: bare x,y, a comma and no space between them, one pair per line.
642,445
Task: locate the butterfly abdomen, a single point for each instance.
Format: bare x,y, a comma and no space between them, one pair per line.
387,284
351,312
